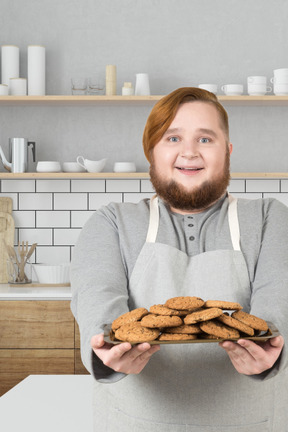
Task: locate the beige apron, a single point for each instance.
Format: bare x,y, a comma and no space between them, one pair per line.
187,387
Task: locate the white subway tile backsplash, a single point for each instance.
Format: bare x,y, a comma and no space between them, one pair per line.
52,185
35,201
18,186
24,219
79,218
98,200
70,201
13,196
136,197
268,185
35,235
53,219
66,236
236,186
123,186
88,185
146,186
52,213
53,254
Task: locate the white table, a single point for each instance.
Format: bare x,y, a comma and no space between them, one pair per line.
48,403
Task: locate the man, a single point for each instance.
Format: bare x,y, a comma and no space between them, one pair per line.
193,239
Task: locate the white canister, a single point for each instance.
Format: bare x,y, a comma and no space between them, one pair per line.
4,90
18,86
142,87
9,63
127,89
36,70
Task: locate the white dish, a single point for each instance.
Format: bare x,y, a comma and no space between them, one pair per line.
124,167
50,273
72,167
48,166
91,165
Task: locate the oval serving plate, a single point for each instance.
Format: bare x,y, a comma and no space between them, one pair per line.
264,336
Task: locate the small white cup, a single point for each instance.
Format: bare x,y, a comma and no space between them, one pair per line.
48,166
213,88
90,165
280,89
4,90
280,73
258,89
233,89
142,86
124,167
18,86
257,79
72,167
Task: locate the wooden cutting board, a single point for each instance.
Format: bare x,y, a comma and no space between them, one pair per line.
7,229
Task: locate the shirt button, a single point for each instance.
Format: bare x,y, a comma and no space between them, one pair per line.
190,225
192,238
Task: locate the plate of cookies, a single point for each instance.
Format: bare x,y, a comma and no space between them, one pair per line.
188,320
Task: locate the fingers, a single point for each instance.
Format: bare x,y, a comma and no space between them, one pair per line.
277,342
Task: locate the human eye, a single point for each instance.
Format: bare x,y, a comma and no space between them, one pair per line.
173,139
205,140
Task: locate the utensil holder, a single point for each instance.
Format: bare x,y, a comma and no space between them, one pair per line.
13,272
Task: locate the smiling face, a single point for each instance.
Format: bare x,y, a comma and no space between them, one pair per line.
190,164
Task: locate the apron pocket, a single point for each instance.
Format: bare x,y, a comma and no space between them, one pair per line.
122,422
255,427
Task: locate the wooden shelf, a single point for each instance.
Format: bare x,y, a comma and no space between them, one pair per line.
69,100
136,175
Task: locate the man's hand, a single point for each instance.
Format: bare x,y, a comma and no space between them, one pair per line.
250,358
124,357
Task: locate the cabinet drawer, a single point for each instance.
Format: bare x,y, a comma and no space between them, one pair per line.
36,324
15,365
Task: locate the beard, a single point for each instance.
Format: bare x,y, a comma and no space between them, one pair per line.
199,198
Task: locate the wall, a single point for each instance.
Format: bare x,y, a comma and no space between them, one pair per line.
52,212
179,43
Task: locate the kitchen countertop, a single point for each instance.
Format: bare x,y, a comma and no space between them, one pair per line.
26,292
47,403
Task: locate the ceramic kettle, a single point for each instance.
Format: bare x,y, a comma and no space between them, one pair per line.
18,155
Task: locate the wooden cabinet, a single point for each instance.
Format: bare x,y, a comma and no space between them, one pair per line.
37,337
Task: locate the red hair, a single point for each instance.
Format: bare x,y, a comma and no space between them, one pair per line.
164,111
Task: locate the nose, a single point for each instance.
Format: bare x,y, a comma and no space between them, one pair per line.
189,150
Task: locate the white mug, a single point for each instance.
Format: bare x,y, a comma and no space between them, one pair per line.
257,79
233,89
280,89
279,80
4,90
91,165
258,89
213,88
142,87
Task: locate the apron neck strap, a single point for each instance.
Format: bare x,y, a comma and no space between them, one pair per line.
232,219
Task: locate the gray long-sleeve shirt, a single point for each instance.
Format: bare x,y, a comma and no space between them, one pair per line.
112,239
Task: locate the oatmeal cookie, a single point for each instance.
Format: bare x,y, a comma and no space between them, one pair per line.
226,305
173,337
203,315
160,321
220,330
128,317
135,333
232,322
251,320
184,303
184,329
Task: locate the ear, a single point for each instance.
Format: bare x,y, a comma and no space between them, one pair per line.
230,146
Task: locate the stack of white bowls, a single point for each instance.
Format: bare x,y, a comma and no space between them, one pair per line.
257,85
280,82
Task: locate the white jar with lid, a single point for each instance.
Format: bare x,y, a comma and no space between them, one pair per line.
127,89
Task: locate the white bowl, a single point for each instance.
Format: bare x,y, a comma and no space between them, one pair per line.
124,167
50,273
72,167
48,166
